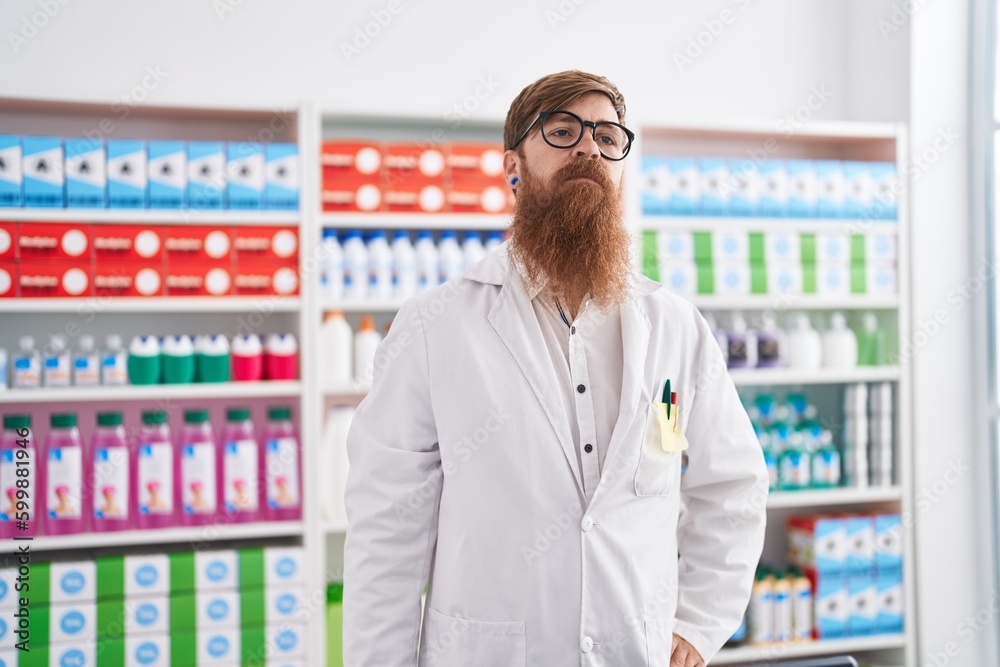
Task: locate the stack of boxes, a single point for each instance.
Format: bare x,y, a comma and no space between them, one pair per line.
855,564
185,609
773,262
78,260
369,176
52,172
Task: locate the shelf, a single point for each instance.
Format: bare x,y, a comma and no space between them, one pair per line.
791,302
163,304
205,390
822,497
748,224
139,216
334,527
192,534
352,390
821,130
749,377
415,221
380,306
769,654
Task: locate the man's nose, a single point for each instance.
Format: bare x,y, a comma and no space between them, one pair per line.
587,148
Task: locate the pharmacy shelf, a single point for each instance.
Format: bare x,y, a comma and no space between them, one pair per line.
797,225
334,527
819,130
206,390
187,534
139,216
792,302
789,376
165,304
772,653
415,221
364,306
825,497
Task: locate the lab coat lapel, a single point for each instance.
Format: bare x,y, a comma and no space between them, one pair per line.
514,320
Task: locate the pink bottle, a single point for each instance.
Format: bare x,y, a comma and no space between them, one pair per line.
65,497
110,487
281,357
280,468
247,356
239,468
17,431
197,454
154,472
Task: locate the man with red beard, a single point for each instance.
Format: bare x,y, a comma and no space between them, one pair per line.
520,451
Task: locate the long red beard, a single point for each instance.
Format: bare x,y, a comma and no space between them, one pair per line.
572,232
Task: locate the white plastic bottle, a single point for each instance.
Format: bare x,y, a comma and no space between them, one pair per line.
428,261
86,363
802,607
840,345
472,248
56,363
114,362
365,344
404,266
332,266
379,266
355,266
336,350
760,616
27,365
782,631
493,239
805,350
451,255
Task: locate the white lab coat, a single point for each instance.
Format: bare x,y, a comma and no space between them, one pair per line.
463,477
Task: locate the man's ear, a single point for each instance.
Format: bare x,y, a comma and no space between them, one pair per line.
511,168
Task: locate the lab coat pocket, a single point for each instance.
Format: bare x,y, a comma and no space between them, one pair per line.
460,642
659,640
657,470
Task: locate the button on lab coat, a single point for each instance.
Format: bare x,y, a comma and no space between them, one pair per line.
463,477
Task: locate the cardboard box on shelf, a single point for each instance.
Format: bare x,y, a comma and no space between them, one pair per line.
197,244
44,279
266,278
415,197
266,244
351,159
11,173
86,174
281,176
54,241
128,178
43,171
352,195
473,197
8,279
245,175
123,243
206,174
474,162
198,279
168,174
132,278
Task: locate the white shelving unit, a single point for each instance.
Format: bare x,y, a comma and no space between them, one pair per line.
758,655
199,535
114,216
153,392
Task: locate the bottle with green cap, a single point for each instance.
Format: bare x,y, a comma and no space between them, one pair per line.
794,464
110,468
154,472
64,492
177,355
239,467
199,499
144,363
18,509
281,470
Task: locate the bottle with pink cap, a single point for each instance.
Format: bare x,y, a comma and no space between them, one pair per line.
64,492
199,499
17,502
280,467
110,468
154,472
239,467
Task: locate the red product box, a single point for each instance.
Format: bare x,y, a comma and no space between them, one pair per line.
413,162
267,278
416,197
55,279
198,244
8,278
352,195
54,241
472,197
266,244
198,279
123,243
8,240
473,161
128,279
352,159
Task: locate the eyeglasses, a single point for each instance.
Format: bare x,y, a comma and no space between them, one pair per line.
564,129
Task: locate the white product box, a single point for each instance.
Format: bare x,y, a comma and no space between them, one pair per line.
245,175
802,188
219,647
285,604
859,192
782,247
285,640
42,171
880,278
217,609
206,163
774,189
127,176
72,622
72,582
8,596
830,195
880,246
680,276
685,191
889,600
833,247
86,174
8,628
148,651
281,169
888,543
729,246
745,184
77,654
656,184
784,277
833,607
8,657
147,576
886,184
833,278
716,184
284,565
147,615
168,174
216,570
860,544
11,174
675,245
732,277
863,602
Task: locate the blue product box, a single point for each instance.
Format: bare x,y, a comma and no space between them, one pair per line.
830,189
802,188
685,191
859,190
864,605
885,206
42,160
127,180
716,186
860,545
832,607
11,176
245,175
281,176
167,174
86,174
655,190
888,543
774,189
819,544
744,201
889,600
206,161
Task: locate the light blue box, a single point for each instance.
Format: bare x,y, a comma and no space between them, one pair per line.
86,174
830,546
11,176
167,174
830,189
281,176
655,189
802,188
127,176
44,177
774,189
716,186
832,607
245,175
744,200
888,544
859,189
889,600
206,174
685,191
864,605
885,205
860,545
